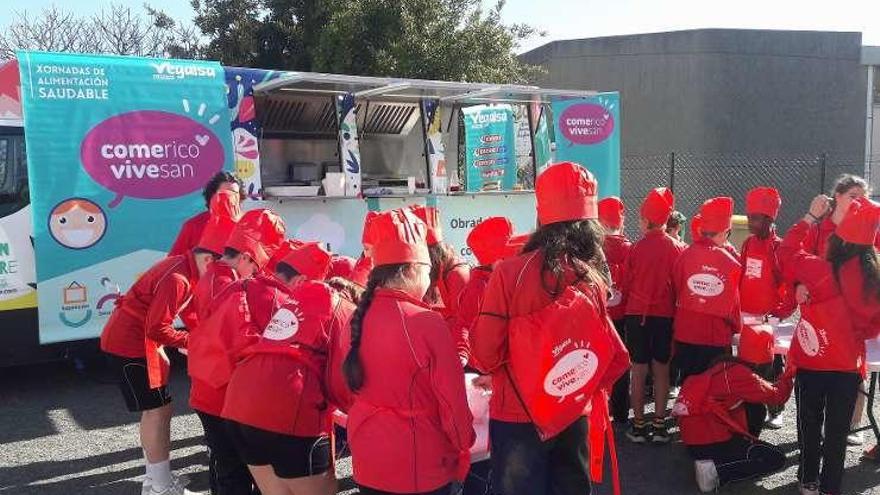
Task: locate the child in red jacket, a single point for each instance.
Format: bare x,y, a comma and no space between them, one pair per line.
706,280
285,441
616,248
409,427
839,310
713,425
191,230
489,243
650,306
764,293
545,337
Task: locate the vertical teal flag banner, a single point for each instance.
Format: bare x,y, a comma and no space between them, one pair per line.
119,149
588,132
490,153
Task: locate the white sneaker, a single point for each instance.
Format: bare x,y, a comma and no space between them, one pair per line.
176,479
774,423
707,475
855,439
809,488
175,488
673,392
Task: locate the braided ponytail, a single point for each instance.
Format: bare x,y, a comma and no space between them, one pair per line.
352,367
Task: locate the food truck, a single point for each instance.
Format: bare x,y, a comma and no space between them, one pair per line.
103,157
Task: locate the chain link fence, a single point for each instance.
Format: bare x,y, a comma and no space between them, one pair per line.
696,177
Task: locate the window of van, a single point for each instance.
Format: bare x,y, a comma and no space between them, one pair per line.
14,193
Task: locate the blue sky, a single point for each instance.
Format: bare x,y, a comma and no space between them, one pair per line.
567,19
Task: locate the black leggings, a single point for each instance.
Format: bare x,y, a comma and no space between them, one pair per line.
620,393
824,399
740,458
524,465
446,490
227,473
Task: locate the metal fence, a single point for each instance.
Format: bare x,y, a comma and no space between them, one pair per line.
697,177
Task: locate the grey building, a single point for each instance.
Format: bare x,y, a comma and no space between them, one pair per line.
737,108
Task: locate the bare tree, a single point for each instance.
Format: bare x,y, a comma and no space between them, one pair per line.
116,29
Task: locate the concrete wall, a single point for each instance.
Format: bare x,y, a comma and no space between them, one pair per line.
723,91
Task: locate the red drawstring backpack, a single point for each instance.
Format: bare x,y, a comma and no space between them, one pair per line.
824,339
558,357
712,281
694,400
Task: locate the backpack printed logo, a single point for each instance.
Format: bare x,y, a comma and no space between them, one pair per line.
808,338
571,373
705,285
283,326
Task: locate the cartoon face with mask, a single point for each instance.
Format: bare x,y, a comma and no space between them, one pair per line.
77,223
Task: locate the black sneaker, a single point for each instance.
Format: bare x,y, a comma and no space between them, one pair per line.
660,431
639,432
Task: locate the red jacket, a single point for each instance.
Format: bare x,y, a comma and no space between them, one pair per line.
451,282
339,394
143,319
617,249
216,278
763,290
715,324
731,384
516,289
288,363
190,233
410,422
236,318
834,323
648,275
469,301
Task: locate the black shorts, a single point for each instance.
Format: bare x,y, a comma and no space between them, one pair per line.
693,359
651,341
135,385
290,456
363,490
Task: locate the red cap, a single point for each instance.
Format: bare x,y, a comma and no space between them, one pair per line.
366,238
283,250
611,212
224,211
658,205
696,227
717,214
488,240
268,226
248,242
565,192
341,266
516,244
309,259
859,225
430,215
763,200
399,237
362,270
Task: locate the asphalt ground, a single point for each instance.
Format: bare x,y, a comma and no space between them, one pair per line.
64,432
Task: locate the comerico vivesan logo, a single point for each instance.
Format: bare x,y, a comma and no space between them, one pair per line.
170,70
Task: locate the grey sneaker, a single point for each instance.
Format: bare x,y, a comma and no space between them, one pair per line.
178,479
809,488
774,422
639,432
660,432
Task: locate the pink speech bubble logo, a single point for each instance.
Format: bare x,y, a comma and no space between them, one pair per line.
151,154
586,123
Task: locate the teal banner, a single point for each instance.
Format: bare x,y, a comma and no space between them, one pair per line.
490,148
119,149
588,132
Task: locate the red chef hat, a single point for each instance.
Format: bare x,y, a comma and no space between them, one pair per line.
611,212
247,242
763,200
696,227
430,215
268,226
283,250
717,214
366,238
658,205
399,237
859,225
565,192
341,266
309,259
516,244
362,270
488,240
225,212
